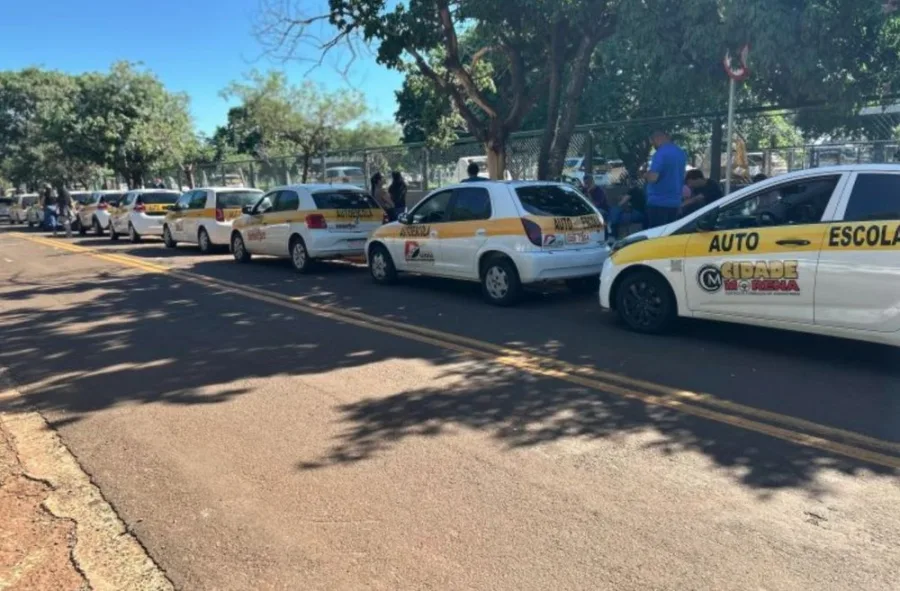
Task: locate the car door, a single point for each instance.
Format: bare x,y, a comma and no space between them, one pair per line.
462,237
760,260
417,246
120,218
277,223
196,207
176,219
251,226
858,281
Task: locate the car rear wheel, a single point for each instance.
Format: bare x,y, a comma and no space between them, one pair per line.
239,250
645,303
81,229
113,235
584,285
133,234
381,266
300,256
500,282
167,238
203,241
98,229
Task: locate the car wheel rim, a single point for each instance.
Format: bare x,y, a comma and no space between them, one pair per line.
379,266
299,256
642,304
204,241
238,248
497,283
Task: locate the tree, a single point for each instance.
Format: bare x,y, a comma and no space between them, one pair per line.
283,119
367,135
129,121
530,56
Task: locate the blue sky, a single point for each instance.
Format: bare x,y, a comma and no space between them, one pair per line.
194,46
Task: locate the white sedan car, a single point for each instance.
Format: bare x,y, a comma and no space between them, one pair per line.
814,251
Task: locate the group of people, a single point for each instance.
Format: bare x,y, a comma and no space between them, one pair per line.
669,193
59,209
393,198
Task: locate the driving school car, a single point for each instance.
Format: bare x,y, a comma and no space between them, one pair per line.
814,251
204,216
501,234
141,213
94,211
18,211
307,223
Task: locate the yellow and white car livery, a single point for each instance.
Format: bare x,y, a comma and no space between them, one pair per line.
94,211
814,251
306,223
18,210
502,234
204,216
141,213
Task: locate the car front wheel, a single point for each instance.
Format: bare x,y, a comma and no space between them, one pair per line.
381,266
167,238
239,249
645,303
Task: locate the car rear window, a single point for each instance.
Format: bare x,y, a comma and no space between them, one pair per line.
344,200
82,198
157,198
6,200
29,201
553,201
236,199
112,198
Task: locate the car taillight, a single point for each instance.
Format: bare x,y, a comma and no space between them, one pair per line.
102,206
140,207
220,215
385,218
316,221
533,231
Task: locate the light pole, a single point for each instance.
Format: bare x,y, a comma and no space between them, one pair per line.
735,75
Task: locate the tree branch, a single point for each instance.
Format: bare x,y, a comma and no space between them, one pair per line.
454,65
475,126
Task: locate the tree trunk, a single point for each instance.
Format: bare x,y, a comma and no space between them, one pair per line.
189,174
306,158
496,157
568,117
554,93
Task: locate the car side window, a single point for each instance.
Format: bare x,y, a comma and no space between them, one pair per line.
183,201
198,200
874,197
265,203
129,199
287,201
433,210
799,202
470,203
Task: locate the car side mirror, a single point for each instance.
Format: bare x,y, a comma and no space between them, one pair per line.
247,210
707,222
404,219
172,208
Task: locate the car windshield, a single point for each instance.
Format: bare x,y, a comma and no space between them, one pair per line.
158,198
344,200
236,199
82,198
29,201
6,200
553,201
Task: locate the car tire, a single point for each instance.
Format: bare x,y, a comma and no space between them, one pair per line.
300,258
31,224
584,285
381,266
500,281
133,234
204,242
238,249
113,235
98,229
167,238
645,303
82,231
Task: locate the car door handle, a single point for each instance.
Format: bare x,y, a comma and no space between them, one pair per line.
481,232
792,242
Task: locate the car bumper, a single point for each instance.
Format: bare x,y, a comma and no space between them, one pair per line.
549,266
148,225
607,277
219,233
350,245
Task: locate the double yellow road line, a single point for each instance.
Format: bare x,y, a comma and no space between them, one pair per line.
784,427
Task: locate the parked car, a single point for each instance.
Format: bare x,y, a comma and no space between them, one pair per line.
94,212
18,212
5,204
204,216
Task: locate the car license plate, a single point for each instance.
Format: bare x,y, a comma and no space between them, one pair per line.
578,238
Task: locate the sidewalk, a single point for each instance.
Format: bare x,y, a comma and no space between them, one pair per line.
56,530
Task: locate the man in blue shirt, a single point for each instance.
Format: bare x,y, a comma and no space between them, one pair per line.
665,180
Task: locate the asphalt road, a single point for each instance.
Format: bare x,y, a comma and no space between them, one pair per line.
263,430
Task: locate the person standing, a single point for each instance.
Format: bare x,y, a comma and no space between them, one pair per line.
65,207
397,191
48,203
664,180
382,197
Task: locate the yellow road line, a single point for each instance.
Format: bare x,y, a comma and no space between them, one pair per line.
679,400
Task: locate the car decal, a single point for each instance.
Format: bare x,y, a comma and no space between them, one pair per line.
333,217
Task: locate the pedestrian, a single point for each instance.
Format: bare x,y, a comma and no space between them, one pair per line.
703,192
596,194
382,197
665,180
65,207
397,191
473,171
48,203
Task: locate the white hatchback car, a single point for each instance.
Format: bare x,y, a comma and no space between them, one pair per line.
502,234
814,251
204,216
141,213
307,223
18,211
94,211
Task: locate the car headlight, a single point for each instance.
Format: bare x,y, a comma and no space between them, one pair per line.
620,244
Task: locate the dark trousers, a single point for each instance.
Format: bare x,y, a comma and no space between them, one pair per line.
660,216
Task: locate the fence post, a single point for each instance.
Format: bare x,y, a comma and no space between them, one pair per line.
324,176
366,166
252,176
715,151
589,154
425,158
